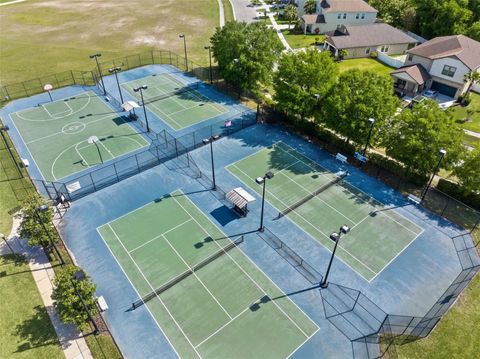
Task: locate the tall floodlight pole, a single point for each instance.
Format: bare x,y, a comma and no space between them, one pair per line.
207,141
441,154
96,56
209,48
336,238
263,180
140,89
115,70
182,36
371,121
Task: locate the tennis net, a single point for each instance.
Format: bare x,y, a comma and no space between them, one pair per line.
338,177
187,88
169,284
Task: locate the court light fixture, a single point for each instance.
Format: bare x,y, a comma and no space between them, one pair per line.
336,238
96,56
263,180
210,141
441,155
115,70
182,36
141,89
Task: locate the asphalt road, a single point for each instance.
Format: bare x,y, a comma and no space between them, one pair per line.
244,12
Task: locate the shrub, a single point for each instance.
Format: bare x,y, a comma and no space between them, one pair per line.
457,192
374,55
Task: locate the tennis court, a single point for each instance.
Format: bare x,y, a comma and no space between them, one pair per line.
207,297
175,102
319,202
57,134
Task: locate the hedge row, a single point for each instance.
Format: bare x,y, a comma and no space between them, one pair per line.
454,190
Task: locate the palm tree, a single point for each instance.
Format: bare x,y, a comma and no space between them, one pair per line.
472,78
310,7
290,14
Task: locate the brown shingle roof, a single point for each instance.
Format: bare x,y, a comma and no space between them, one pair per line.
417,72
313,19
460,46
370,35
346,6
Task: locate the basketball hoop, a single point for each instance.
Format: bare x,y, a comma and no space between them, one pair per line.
48,88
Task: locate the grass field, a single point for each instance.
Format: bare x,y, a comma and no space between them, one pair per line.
366,248
296,40
365,64
471,111
215,302
227,10
26,330
57,134
42,37
457,334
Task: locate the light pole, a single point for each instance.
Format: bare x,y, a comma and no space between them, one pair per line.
140,89
209,48
371,121
336,238
79,276
182,36
441,154
206,141
96,56
44,208
263,180
115,70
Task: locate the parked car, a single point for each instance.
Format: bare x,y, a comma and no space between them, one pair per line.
430,94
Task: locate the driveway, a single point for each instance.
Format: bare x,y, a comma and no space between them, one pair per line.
243,10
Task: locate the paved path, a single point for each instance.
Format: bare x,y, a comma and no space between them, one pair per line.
244,12
221,13
472,133
71,340
278,29
11,2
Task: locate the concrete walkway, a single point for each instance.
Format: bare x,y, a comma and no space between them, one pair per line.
472,133
221,13
71,340
278,29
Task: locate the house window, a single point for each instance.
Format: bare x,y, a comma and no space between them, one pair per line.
384,48
367,50
345,15
339,16
357,16
449,71
410,57
363,16
400,84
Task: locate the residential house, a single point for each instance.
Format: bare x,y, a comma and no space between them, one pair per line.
332,14
362,40
439,64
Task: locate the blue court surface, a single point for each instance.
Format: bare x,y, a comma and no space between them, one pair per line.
135,213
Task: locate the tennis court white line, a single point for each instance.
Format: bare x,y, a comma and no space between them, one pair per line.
196,276
78,152
163,114
241,268
313,226
353,186
301,345
110,152
222,327
153,290
136,291
160,235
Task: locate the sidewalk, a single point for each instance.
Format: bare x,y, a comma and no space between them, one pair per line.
221,13
278,29
71,340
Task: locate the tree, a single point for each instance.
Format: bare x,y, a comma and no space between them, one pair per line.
468,173
358,96
302,81
290,14
471,78
415,136
310,7
391,11
443,17
66,300
31,226
342,53
474,31
246,53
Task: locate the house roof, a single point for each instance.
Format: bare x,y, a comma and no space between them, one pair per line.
417,72
346,6
460,46
368,35
313,19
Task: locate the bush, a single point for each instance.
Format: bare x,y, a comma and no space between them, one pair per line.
374,55
457,192
397,169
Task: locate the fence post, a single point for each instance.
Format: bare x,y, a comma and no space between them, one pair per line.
138,166
56,80
93,183
73,77
170,57
116,172
444,208
176,148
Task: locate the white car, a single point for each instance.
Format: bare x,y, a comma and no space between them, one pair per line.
431,94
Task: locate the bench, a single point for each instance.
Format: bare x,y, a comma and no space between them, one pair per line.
414,199
341,158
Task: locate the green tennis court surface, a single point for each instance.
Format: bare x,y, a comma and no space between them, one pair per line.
178,104
227,308
57,133
378,234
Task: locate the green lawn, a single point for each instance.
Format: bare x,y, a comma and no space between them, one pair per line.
299,40
26,330
472,111
45,37
227,10
457,335
365,64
